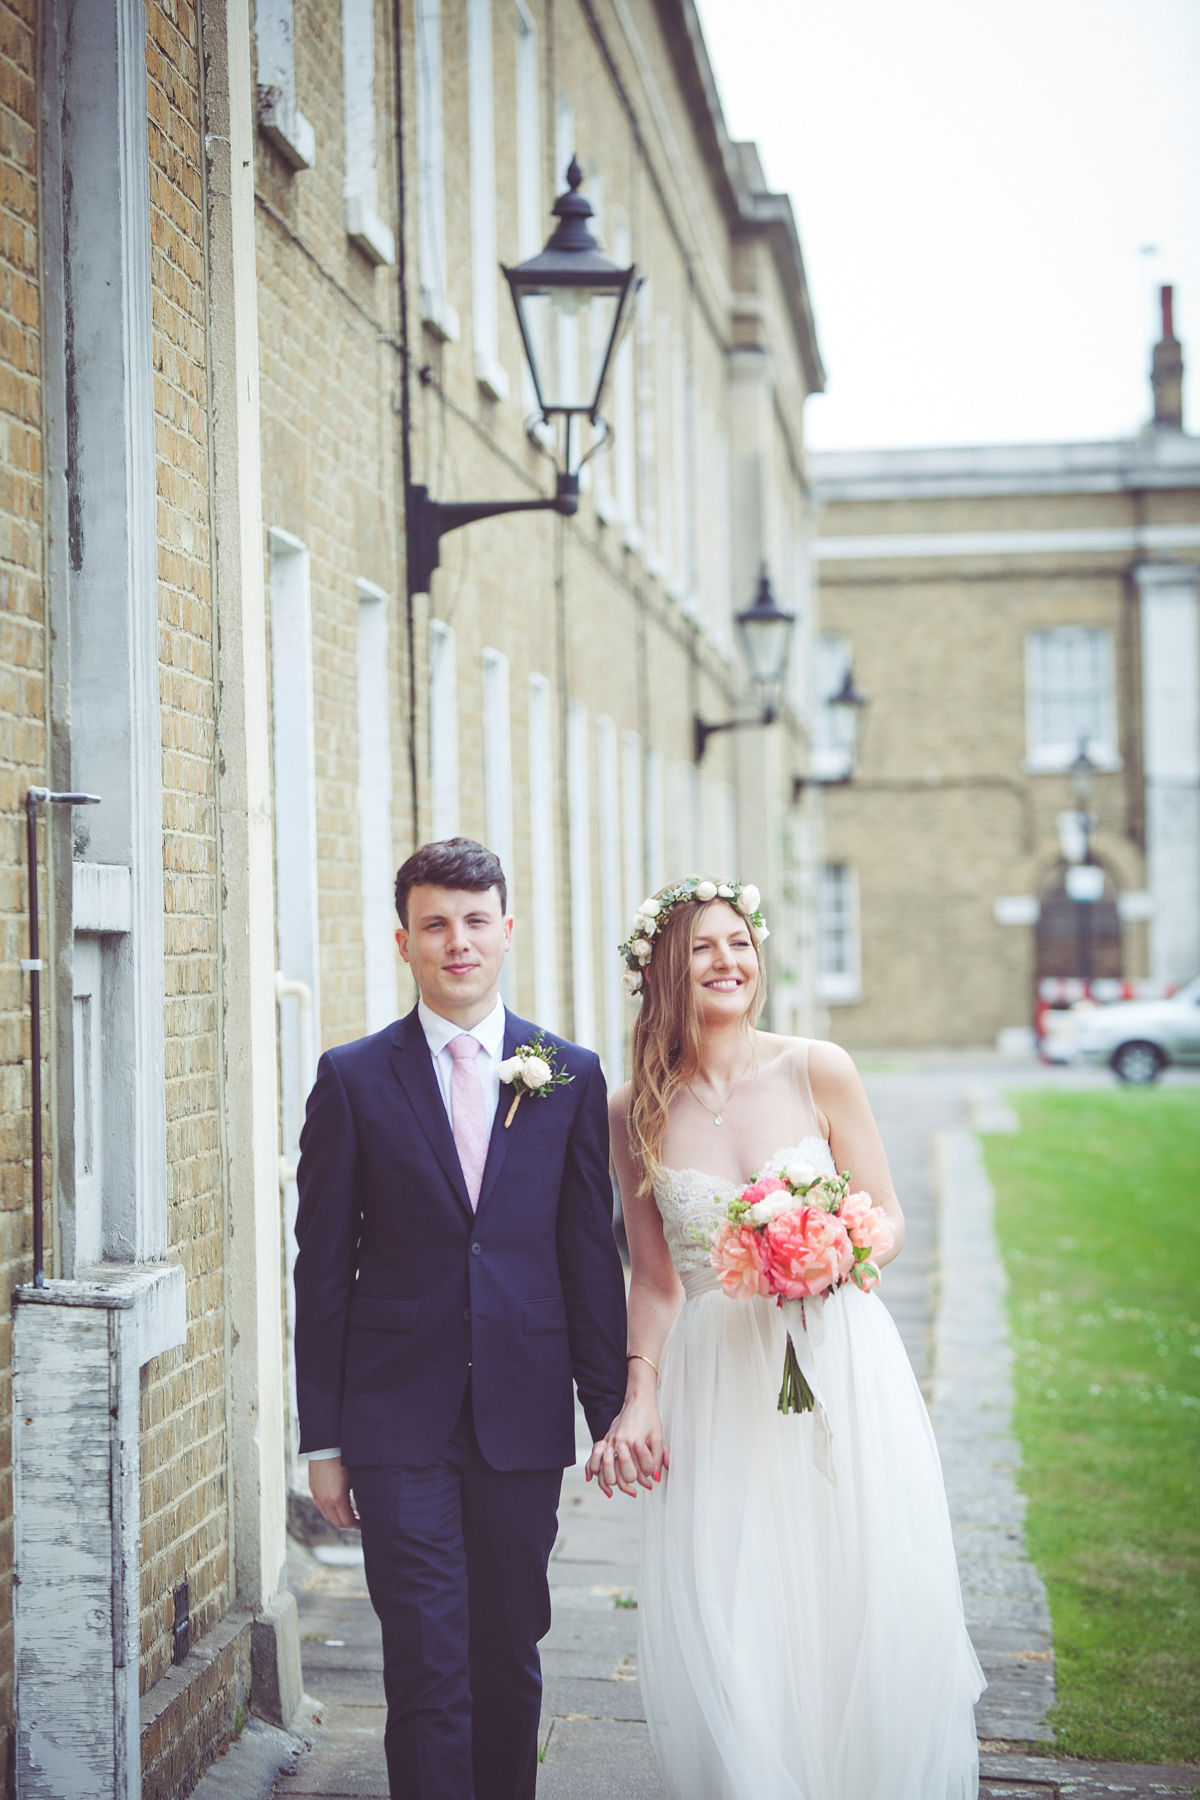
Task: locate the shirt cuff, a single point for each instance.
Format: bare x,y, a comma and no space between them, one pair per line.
322,1455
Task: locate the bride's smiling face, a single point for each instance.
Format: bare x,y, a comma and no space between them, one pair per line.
724,965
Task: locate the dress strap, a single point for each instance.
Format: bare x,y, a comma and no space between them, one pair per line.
805,1045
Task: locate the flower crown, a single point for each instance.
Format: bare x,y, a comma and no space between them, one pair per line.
653,914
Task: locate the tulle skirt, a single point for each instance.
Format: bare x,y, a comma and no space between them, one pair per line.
800,1640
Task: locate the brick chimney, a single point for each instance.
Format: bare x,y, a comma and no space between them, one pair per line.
1166,372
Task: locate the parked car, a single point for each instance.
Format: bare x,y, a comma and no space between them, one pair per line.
1139,1038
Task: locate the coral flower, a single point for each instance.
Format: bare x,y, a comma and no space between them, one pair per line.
758,1190
868,1226
807,1250
737,1256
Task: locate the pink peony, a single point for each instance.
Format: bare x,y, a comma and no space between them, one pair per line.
737,1256
868,1226
758,1190
807,1250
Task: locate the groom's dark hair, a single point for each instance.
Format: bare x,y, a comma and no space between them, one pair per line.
454,863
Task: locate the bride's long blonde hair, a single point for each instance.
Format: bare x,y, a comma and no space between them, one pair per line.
667,1039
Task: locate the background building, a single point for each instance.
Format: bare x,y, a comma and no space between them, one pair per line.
250,289
1002,608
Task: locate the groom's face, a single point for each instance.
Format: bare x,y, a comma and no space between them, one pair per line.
455,943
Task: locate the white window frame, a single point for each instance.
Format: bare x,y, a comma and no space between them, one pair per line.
498,787
88,1041
364,227
481,130
543,912
279,119
1044,752
436,310
633,859
579,836
443,731
843,986
376,863
655,848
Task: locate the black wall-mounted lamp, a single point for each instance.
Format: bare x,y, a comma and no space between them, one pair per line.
569,284
765,636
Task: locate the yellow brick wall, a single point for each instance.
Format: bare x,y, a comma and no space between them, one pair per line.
184,1494
22,711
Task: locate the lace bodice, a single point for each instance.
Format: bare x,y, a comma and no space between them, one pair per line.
691,1201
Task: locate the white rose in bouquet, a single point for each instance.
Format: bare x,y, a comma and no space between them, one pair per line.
750,898
800,1174
707,891
535,1072
763,1211
508,1069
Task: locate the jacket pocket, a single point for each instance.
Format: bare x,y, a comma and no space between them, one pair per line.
541,1317
378,1312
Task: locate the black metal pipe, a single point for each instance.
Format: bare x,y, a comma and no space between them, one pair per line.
33,964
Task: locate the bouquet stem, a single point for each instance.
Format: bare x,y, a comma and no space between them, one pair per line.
795,1395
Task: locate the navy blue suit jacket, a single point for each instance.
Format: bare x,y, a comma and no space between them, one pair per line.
400,1287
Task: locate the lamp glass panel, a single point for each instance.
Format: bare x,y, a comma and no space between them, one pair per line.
765,646
568,331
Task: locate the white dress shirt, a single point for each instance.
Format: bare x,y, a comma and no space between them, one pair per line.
438,1033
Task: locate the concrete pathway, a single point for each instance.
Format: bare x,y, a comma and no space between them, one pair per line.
594,1736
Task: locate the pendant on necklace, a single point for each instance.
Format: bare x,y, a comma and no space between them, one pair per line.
717,1119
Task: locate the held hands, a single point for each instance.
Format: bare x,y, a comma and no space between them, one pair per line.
632,1453
329,1484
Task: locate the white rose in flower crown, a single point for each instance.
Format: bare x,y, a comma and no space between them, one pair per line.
725,892
650,907
761,934
645,927
800,1174
536,1072
707,891
749,899
642,949
508,1069
632,981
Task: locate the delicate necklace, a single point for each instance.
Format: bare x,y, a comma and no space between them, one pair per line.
718,1117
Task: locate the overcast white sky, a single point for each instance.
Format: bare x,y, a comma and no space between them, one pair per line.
974,182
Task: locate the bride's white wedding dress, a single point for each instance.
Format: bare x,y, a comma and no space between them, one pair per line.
799,1639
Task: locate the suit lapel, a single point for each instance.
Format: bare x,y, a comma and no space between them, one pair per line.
516,1031
413,1064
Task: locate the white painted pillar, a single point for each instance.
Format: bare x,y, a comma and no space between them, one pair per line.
249,1092
1170,612
376,861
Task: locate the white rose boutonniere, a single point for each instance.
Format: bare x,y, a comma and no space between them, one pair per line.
533,1069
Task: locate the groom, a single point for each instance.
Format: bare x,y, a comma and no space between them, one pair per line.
456,1270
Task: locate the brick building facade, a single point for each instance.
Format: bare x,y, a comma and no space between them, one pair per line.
1003,607
249,290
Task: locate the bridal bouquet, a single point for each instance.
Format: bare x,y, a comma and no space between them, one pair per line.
793,1237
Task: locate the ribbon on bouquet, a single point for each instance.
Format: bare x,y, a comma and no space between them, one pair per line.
805,1322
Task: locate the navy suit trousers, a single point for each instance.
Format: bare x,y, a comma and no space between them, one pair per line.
456,1555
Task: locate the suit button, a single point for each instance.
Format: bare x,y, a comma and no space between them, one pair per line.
475,1249
466,1312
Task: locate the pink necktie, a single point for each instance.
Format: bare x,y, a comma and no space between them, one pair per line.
468,1119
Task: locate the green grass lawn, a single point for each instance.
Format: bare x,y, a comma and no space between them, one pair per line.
1098,1212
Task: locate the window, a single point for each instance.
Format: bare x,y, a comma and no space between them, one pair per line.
833,728
485,273
436,311
363,224
543,913
655,866
280,122
838,959
375,810
624,414
497,784
610,877
89,1114
580,852
443,731
529,152
1069,697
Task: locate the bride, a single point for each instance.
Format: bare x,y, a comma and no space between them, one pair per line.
801,1631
